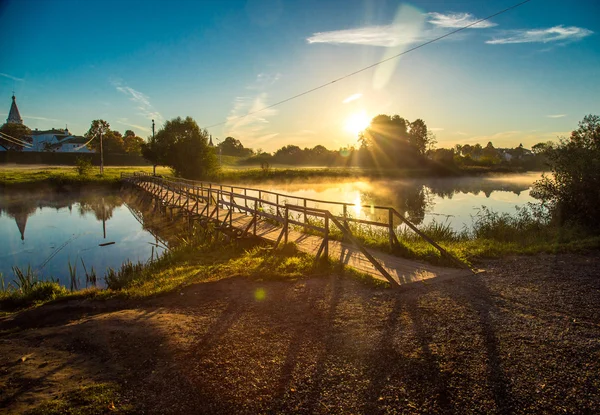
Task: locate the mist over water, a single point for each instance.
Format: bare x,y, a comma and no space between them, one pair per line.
48,230
447,200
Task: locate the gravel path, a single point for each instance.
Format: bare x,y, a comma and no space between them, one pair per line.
524,337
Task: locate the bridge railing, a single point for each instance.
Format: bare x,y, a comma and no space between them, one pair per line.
277,206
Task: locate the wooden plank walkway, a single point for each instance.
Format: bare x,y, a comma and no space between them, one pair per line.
232,210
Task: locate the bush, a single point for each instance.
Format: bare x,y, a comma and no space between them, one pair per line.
572,192
83,165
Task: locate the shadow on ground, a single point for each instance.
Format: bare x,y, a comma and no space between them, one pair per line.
522,338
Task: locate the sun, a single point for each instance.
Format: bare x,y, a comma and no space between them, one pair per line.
357,122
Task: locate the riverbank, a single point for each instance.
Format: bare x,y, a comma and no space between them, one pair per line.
33,175
520,338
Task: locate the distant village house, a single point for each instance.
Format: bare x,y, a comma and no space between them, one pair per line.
54,140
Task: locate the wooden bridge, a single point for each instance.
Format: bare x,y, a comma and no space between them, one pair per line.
321,228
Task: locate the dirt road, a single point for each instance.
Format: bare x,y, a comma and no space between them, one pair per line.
522,338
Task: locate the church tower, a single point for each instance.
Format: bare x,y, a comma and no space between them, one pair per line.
13,115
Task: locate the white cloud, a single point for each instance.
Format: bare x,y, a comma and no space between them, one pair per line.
435,129
14,78
387,36
401,32
248,122
458,20
552,34
142,100
125,121
351,98
40,118
556,116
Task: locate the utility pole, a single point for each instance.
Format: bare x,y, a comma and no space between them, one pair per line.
154,165
101,154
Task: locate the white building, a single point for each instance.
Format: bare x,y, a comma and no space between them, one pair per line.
55,140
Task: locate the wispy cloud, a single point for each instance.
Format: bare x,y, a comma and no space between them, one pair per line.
552,34
400,32
556,116
263,81
14,78
32,117
125,121
435,129
351,98
250,128
142,100
387,36
458,20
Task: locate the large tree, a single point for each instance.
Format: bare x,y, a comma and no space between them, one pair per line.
112,141
20,132
572,192
183,146
393,141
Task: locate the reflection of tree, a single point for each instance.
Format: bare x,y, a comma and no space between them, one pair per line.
414,198
20,205
101,206
445,188
409,199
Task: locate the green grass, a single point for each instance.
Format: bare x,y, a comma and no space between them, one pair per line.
97,399
27,177
199,258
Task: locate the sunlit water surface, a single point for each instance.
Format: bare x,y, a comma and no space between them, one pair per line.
49,232
52,231
452,201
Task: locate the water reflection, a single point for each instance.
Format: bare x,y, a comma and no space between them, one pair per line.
450,200
54,229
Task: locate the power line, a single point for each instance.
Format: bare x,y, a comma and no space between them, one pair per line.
13,140
373,65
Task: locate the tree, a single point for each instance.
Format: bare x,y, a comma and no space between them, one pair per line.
418,136
183,146
232,147
132,144
18,131
393,141
541,148
572,192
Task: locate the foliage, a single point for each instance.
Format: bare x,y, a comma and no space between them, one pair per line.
392,141
18,131
572,192
232,147
83,165
183,146
132,144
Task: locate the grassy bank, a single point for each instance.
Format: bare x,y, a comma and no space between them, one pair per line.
200,258
230,174
493,235
27,176
12,176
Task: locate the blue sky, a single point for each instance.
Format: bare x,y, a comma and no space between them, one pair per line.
528,75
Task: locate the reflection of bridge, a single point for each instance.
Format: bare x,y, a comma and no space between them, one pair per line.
241,212
139,216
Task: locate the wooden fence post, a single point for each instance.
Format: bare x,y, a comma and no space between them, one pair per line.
326,250
286,224
305,218
391,228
